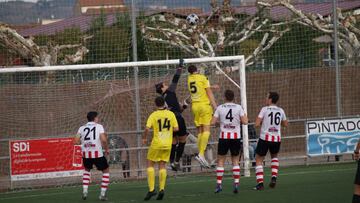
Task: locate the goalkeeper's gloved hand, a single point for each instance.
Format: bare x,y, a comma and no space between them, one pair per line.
181,62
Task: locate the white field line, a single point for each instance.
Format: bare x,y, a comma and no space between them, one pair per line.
171,183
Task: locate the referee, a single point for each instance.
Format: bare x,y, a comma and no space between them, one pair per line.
169,94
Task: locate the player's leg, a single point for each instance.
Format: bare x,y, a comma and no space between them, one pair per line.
174,147
235,149
162,179
104,184
182,135
152,158
86,182
88,164
274,148
205,119
356,196
261,151
223,149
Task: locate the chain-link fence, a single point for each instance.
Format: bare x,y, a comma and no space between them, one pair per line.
289,47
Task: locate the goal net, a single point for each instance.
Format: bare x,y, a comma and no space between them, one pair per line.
41,107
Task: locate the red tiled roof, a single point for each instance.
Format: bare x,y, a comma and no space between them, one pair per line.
184,11
280,12
84,3
105,10
82,22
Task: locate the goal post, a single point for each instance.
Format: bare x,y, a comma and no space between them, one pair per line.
51,102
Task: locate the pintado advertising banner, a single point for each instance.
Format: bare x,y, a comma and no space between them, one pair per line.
44,158
332,137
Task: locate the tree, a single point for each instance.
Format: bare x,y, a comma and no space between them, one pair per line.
212,35
348,27
41,55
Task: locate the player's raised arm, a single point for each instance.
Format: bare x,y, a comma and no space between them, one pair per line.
175,80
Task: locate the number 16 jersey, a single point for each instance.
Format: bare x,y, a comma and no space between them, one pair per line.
229,117
271,123
90,140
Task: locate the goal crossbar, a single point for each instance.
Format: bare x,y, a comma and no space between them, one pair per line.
121,64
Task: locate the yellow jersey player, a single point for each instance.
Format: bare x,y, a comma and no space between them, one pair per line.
163,122
203,103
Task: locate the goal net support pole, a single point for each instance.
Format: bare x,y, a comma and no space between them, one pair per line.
245,132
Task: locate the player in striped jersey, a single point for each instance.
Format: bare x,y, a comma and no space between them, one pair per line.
202,104
230,116
163,122
93,139
271,118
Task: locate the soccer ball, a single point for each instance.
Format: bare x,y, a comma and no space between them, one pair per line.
192,19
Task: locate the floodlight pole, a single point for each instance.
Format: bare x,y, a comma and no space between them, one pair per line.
336,60
136,81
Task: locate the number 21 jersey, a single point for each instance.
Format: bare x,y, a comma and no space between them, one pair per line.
271,123
90,140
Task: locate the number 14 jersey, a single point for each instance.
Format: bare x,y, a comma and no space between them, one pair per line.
271,123
90,140
229,117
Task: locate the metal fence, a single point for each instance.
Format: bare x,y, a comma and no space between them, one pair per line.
313,64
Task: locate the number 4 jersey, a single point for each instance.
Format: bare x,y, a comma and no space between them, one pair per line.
90,140
229,117
271,123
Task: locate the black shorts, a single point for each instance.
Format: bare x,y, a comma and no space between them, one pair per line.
182,126
100,163
234,145
357,176
264,146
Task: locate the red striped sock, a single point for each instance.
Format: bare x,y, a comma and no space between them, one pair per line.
219,174
86,180
236,174
105,183
259,174
274,167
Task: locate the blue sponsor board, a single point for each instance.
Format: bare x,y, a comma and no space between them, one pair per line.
331,137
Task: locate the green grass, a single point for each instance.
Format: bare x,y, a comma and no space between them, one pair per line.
325,183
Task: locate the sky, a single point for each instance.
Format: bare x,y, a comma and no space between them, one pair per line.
22,0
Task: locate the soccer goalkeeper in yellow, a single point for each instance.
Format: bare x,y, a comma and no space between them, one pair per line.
163,122
203,103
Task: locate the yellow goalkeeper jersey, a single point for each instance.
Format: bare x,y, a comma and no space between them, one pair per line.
197,85
163,122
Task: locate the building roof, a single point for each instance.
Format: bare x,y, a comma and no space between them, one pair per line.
280,12
94,11
182,11
82,22
86,3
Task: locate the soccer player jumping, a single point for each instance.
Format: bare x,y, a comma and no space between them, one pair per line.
172,103
163,122
230,116
271,118
93,139
203,103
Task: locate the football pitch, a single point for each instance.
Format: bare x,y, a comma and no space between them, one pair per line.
321,183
